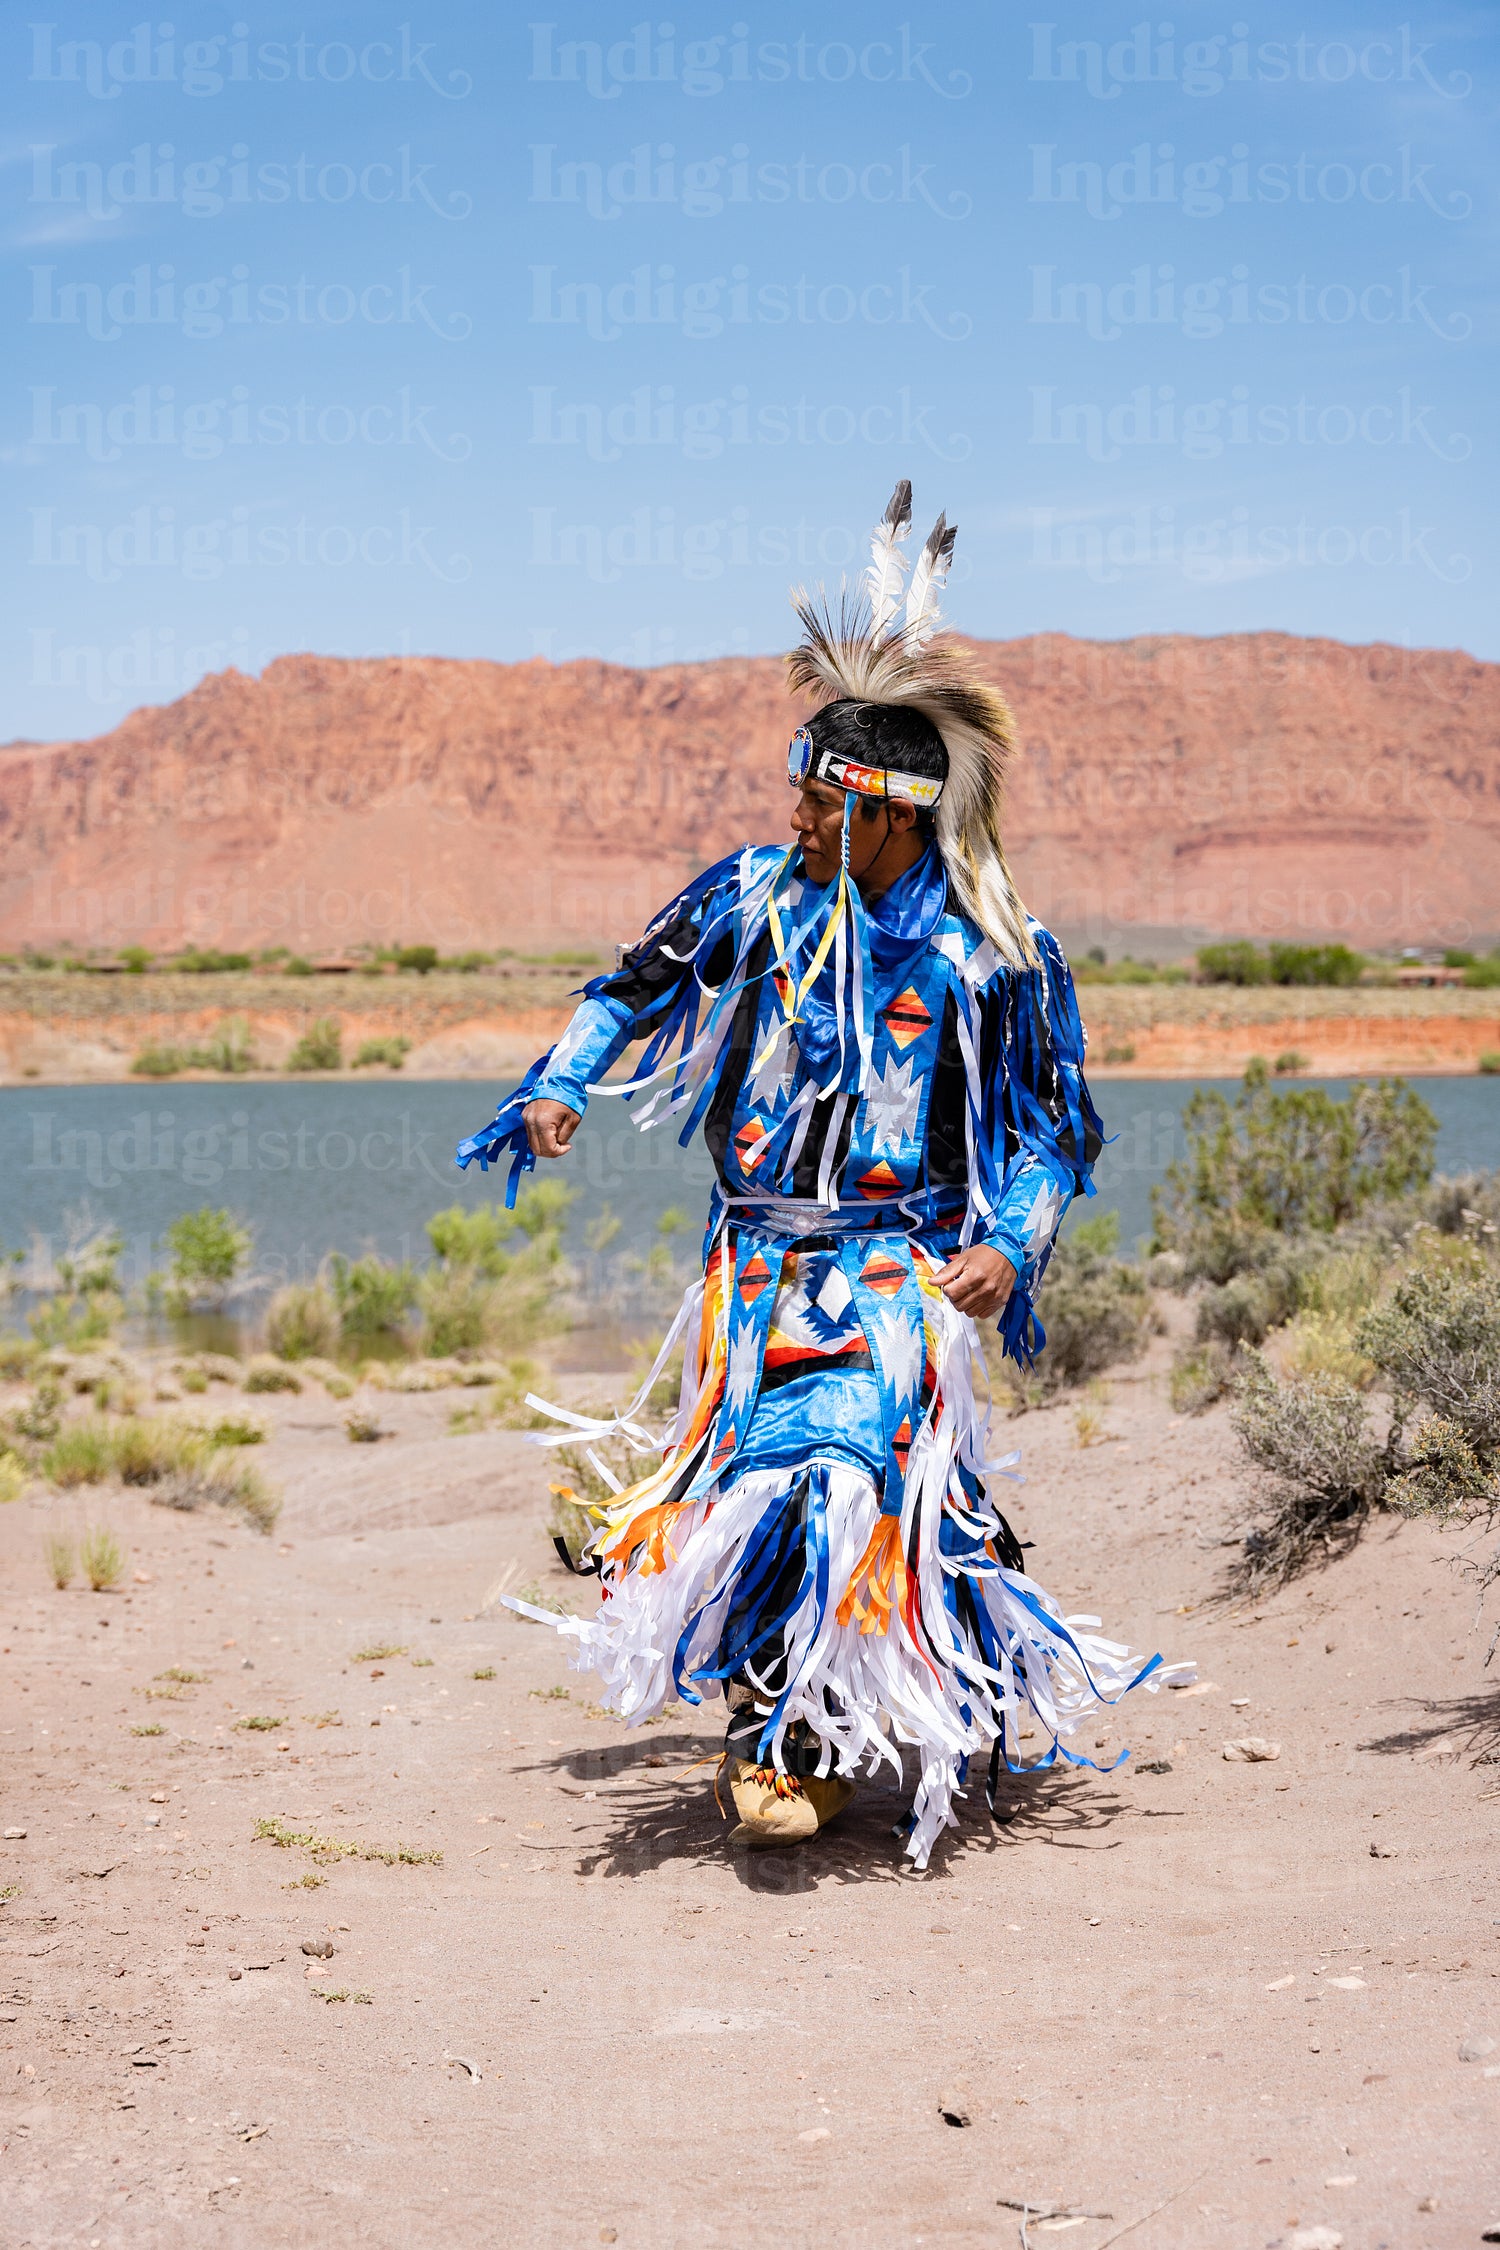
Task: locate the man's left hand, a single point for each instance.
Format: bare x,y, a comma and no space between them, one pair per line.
977,1281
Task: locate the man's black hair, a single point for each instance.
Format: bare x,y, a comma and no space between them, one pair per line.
883,734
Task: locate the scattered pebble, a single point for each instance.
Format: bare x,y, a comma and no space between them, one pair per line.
1475,2047
235,1975
322,1948
15,1835
1428,2203
1341,2179
1281,1983
1315,2238
1252,1750
1383,1851
815,2133
1345,1984
955,2104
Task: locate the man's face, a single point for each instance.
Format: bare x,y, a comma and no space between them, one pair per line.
818,825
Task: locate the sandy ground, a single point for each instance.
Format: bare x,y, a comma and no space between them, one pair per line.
1225,2004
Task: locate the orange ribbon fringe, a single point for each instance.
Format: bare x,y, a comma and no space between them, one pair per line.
881,1572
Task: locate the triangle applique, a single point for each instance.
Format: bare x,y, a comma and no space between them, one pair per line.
882,1273
746,1143
876,1185
906,1018
901,1443
754,1279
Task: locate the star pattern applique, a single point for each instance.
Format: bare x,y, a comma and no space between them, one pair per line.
744,1366
891,1106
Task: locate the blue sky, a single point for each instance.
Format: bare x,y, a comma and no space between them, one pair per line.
474,335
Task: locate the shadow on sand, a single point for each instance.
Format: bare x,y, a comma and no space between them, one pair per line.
1465,1726
639,1804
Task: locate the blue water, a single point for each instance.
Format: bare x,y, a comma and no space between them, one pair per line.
314,1168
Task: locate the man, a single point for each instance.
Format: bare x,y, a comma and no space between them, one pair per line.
884,1054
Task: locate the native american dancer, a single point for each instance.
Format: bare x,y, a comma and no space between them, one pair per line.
884,1054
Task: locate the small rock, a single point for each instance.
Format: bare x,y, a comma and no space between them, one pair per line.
608,2234
1475,2047
955,2105
796,1933
815,2133
1428,2203
1344,1984
157,1797
235,1975
15,1835
1315,2238
1253,1750
320,1947
1383,1851
1158,1765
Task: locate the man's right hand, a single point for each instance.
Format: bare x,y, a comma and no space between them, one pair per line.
549,1127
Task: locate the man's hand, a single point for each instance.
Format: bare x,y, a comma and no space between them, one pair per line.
977,1281
549,1127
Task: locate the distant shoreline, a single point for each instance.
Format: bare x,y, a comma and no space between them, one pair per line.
61,1029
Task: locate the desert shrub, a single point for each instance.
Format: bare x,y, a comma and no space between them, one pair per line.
1322,1469
84,1453
1201,1374
1437,1343
143,1452
486,1292
210,1249
372,1297
158,1062
228,1048
1275,1163
101,1557
421,958
392,1052
1094,1306
221,1480
17,1354
1489,1061
302,1322
13,1474
1315,964
61,1560
236,1429
321,1046
86,1303
1322,1343
361,1427
266,1373
333,1379
39,1417
1238,962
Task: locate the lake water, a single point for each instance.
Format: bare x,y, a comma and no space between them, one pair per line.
335,1166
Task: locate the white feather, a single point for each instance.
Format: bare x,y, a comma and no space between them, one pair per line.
927,581
887,568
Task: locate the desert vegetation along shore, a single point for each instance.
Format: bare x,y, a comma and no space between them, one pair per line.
62,1028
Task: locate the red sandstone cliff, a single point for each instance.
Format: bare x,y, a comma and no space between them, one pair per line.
1256,783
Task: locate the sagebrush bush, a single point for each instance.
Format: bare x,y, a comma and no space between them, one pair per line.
302,1322
266,1373
1323,1470
1283,1162
372,1297
1094,1306
1201,1374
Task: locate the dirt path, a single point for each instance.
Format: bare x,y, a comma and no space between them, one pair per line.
1225,2004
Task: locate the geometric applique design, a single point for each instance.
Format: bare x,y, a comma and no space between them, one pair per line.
745,1140
878,1183
882,1273
901,1443
906,1019
755,1278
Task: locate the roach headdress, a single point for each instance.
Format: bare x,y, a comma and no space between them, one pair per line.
878,647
